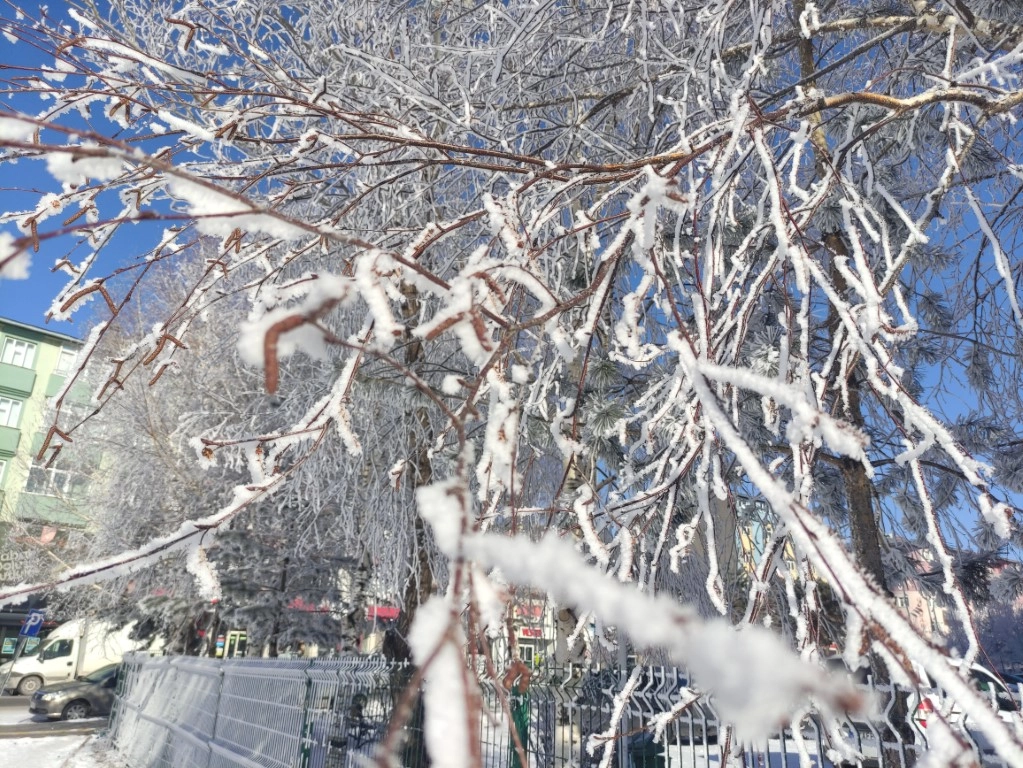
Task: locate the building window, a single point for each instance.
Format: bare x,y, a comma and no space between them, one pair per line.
66,361
52,481
3,466
10,412
19,353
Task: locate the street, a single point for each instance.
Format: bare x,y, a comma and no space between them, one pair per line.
16,722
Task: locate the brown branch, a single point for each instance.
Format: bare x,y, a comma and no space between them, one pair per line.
1005,35
938,95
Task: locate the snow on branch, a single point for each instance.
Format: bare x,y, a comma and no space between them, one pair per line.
715,278
189,538
754,679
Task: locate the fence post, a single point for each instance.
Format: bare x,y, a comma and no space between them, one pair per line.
115,712
216,714
305,741
623,677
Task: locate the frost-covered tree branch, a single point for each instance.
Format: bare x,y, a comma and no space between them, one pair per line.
651,280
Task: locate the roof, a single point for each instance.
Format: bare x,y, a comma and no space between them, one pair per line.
37,329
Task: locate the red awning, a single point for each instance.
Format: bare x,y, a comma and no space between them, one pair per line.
298,604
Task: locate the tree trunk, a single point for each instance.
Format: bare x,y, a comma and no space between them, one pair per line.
863,528
357,604
420,580
212,629
275,631
420,583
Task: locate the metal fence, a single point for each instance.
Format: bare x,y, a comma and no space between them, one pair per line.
185,712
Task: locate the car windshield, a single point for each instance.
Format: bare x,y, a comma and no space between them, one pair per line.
101,674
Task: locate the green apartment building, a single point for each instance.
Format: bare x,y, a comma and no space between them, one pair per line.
34,364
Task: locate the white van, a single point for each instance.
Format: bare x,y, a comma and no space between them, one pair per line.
72,650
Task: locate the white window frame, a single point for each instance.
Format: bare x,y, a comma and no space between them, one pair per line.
61,479
19,352
57,482
66,359
10,412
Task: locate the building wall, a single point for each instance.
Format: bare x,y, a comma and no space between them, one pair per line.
927,615
27,383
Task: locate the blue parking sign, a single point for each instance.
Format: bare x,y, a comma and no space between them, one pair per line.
32,624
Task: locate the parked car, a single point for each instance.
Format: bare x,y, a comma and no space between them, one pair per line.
926,703
1012,679
988,684
89,696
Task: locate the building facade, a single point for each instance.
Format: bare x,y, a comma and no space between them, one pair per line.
37,503
926,611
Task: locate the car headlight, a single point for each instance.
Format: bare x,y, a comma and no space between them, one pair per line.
48,696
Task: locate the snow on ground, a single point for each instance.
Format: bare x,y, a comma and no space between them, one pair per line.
59,752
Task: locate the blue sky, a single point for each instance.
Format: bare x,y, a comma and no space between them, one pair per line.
21,184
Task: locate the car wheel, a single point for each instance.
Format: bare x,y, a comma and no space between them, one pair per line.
29,685
76,710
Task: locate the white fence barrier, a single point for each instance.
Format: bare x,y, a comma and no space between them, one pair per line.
185,712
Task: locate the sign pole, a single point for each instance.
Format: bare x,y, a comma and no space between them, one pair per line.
30,628
14,660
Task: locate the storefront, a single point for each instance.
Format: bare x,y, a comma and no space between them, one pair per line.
11,619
